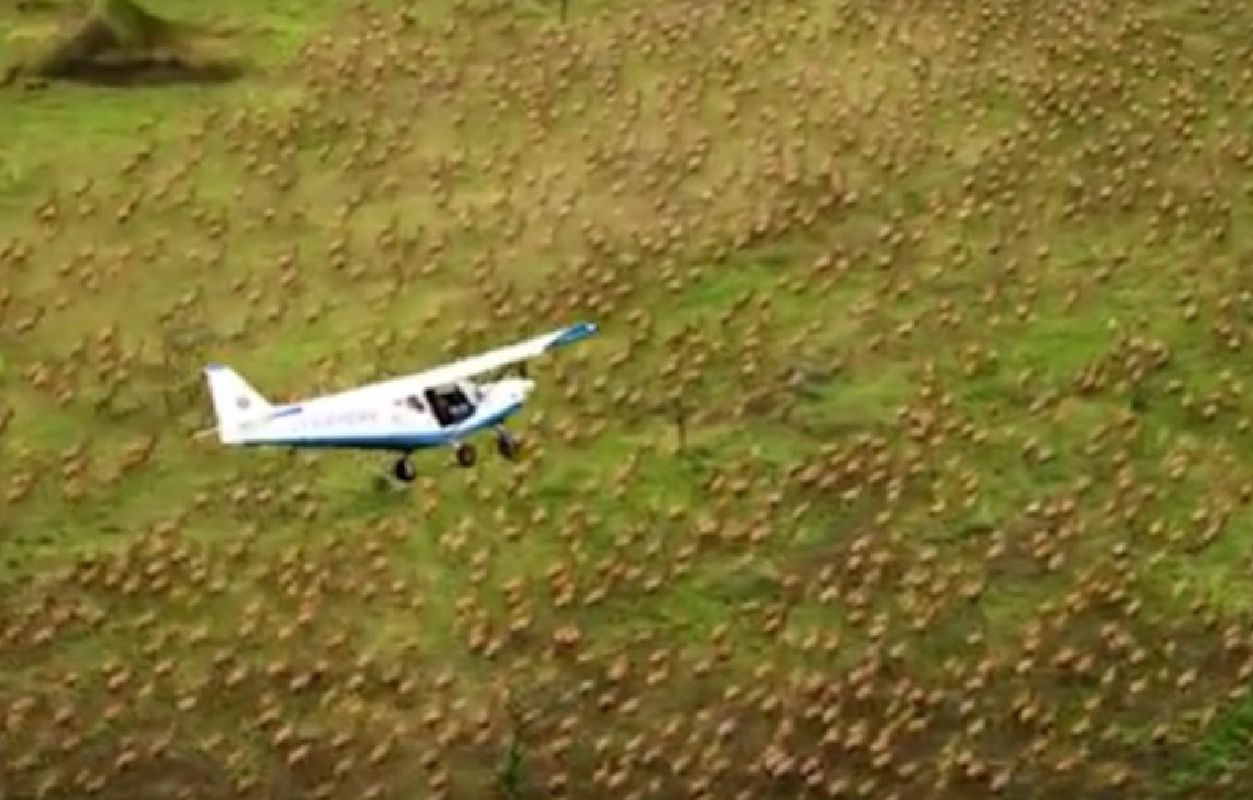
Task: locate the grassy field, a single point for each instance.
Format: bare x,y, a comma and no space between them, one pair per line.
954,302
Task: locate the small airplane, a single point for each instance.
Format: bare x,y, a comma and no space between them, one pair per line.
439,407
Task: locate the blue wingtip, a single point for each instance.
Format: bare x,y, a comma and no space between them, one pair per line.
576,333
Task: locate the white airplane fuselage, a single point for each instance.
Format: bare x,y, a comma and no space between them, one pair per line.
388,416
439,406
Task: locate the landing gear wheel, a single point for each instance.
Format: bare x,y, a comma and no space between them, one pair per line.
466,455
404,471
507,446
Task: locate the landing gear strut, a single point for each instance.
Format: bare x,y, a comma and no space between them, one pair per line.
507,446
466,454
403,470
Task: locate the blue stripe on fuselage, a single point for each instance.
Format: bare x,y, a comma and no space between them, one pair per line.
286,412
398,442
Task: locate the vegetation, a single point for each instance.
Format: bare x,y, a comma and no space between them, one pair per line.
913,461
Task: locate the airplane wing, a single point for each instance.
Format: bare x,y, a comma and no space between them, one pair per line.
501,357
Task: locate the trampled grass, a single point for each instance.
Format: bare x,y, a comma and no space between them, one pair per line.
912,459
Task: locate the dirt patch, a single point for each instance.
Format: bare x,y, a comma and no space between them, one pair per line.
152,70
32,6
118,43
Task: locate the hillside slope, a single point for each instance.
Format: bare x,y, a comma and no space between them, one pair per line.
913,459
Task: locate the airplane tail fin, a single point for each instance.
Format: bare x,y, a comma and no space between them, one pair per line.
234,402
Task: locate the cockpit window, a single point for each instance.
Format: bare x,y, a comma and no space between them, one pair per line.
414,402
449,404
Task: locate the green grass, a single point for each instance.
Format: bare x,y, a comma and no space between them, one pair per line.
889,325
1223,750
